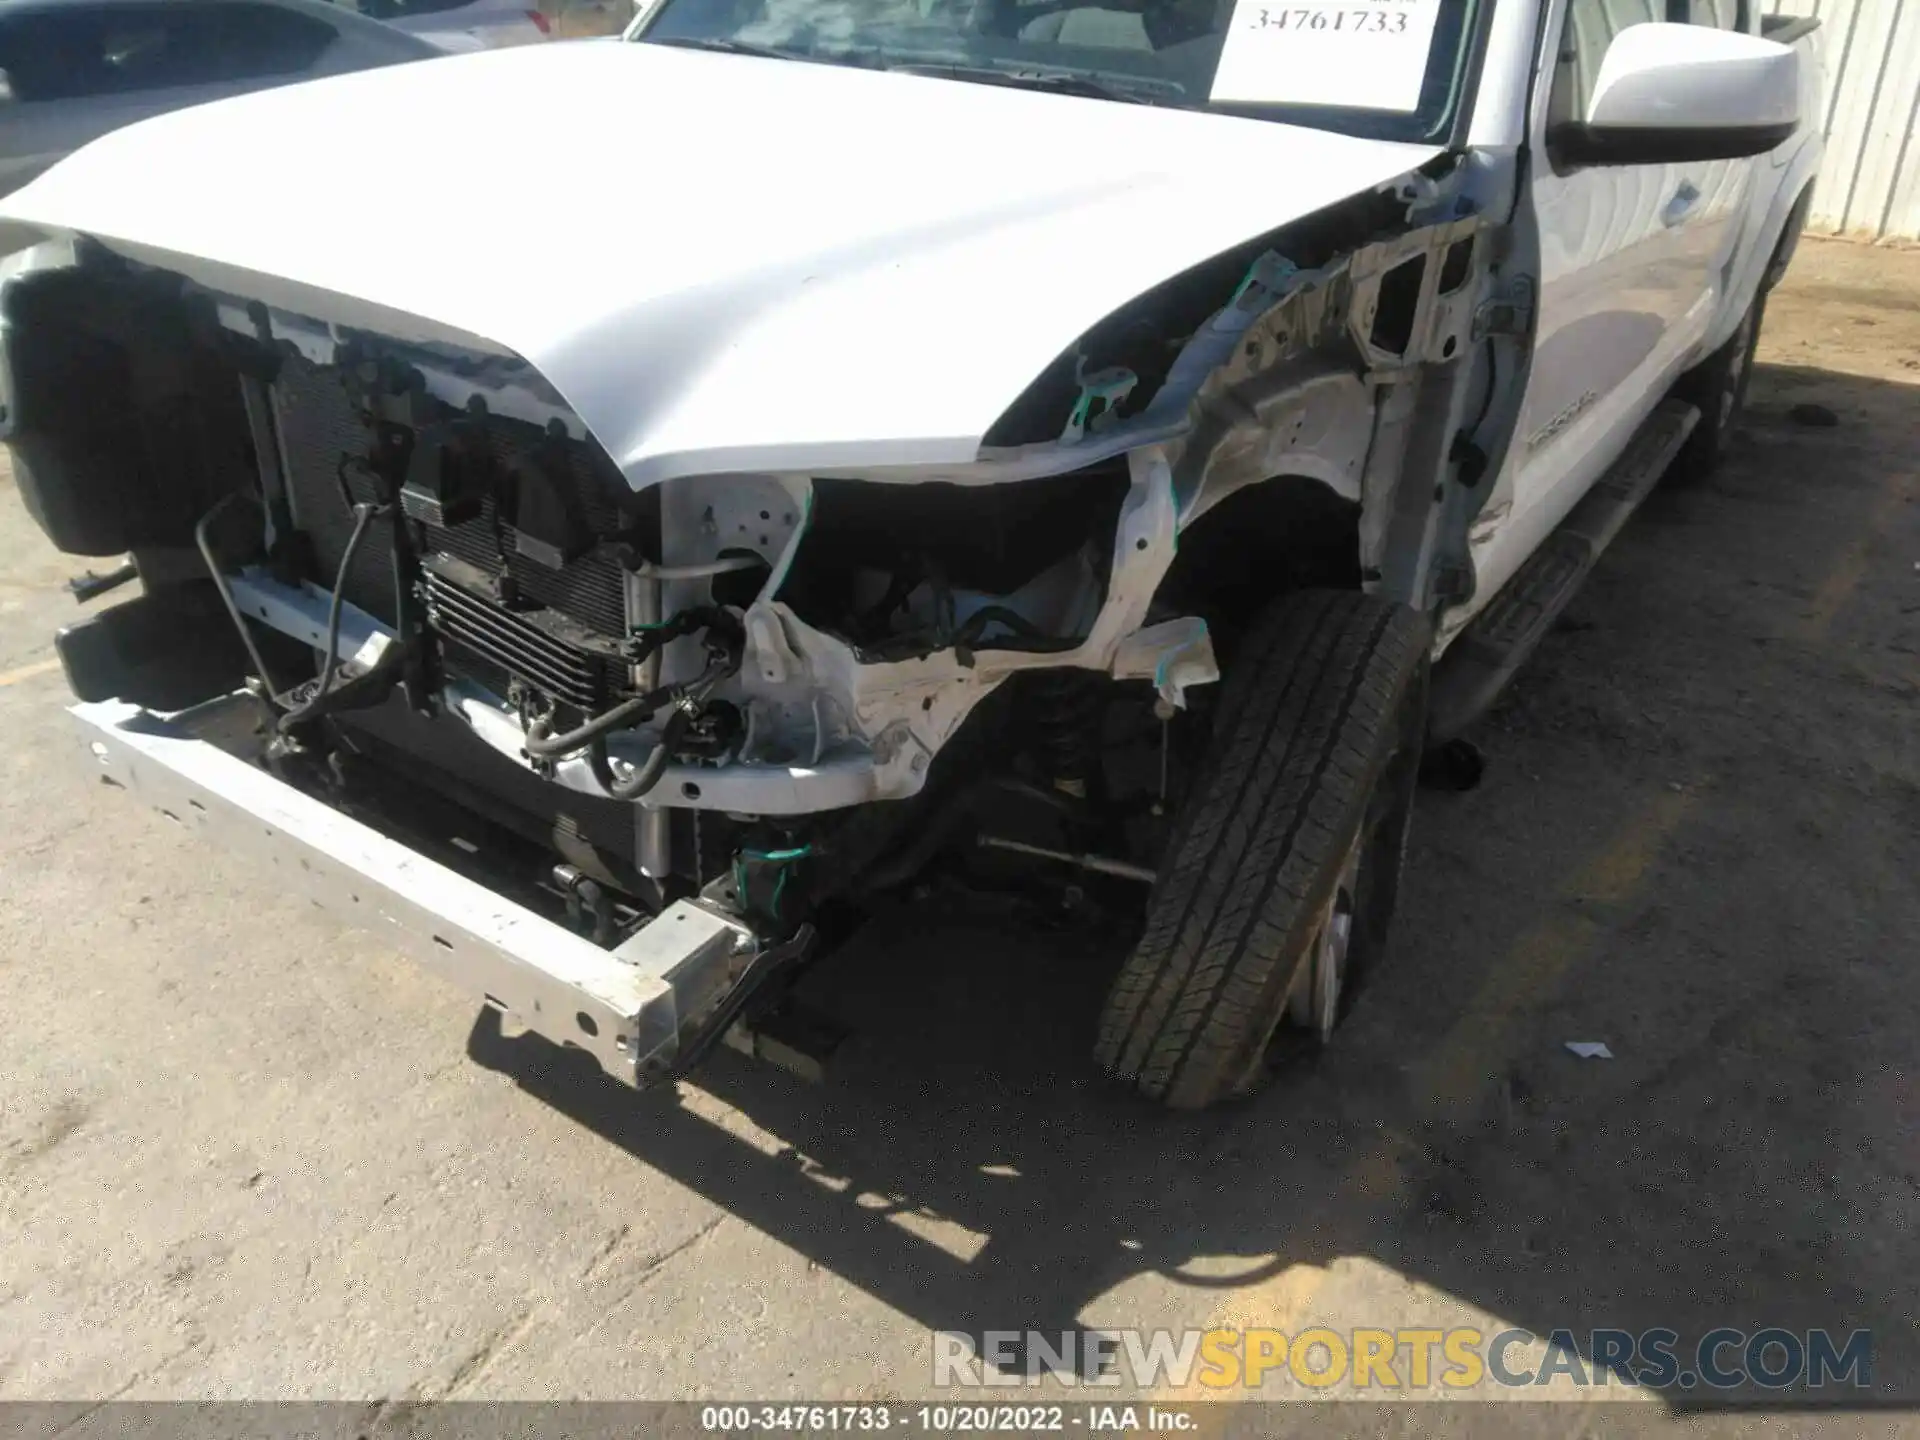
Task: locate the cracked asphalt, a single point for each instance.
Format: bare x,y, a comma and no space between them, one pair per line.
248,1153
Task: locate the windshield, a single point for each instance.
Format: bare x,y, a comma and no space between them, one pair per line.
1392,69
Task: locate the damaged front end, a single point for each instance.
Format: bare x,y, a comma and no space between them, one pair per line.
401,577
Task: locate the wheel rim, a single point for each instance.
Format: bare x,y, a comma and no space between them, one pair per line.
1321,985
1315,1006
1335,941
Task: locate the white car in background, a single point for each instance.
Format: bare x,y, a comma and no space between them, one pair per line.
467,25
460,25
72,70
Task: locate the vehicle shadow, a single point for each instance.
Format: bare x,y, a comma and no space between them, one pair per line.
1695,841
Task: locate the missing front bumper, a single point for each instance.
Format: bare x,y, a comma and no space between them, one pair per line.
644,1010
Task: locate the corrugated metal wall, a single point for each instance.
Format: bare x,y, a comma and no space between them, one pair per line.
1870,181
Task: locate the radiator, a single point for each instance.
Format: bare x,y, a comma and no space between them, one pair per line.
320,427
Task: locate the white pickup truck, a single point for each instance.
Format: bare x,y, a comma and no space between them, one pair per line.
1090,448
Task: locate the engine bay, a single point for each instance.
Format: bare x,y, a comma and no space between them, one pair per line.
694,700
445,588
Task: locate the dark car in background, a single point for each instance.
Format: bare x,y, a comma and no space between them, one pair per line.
72,70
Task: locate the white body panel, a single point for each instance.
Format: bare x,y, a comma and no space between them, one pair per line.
1644,269
802,290
1499,120
1629,283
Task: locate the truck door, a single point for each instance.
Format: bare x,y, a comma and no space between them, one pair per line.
1630,264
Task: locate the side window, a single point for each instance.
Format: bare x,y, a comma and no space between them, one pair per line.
128,49
1590,28
1719,14
159,46
258,41
53,55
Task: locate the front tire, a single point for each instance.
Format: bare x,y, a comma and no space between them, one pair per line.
1276,890
1718,388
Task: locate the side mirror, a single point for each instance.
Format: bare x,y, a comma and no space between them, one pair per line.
1675,93
6,89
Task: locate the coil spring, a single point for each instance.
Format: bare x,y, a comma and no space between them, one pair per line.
1068,706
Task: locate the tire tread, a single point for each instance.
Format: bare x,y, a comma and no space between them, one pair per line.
1304,728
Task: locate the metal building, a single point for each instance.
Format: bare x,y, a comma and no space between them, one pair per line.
1870,183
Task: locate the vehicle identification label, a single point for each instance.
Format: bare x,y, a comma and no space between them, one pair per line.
1361,54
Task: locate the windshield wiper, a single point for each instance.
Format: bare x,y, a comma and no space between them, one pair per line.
721,44
727,45
1058,82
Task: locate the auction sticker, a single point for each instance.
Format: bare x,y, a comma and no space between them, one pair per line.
1360,54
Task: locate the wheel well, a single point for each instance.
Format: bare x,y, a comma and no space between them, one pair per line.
1289,533
1788,241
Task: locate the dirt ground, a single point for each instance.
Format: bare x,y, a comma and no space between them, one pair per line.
245,1153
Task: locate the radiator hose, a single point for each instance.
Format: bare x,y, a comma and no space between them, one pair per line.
650,770
543,744
684,698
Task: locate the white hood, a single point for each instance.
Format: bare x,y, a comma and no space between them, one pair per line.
722,263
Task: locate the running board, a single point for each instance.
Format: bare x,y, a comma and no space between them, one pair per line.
1478,665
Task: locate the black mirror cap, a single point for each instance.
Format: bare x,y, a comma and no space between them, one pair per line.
1575,145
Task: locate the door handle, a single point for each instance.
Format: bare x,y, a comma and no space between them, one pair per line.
1681,205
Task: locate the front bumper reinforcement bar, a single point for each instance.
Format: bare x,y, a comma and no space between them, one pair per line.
643,1010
